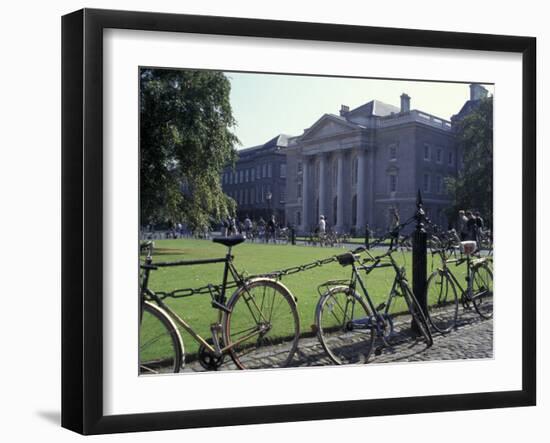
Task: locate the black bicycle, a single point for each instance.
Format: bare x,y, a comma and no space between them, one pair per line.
442,294
348,323
258,325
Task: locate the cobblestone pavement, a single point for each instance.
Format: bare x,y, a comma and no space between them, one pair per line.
472,339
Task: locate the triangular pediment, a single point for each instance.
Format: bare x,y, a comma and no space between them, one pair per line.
328,125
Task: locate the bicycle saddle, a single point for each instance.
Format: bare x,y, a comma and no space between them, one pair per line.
346,259
229,241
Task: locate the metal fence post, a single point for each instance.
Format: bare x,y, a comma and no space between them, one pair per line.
292,235
420,254
367,237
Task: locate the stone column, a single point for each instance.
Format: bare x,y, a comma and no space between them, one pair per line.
322,185
305,194
340,193
370,187
361,190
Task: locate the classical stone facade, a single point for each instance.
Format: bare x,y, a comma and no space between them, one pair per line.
355,168
358,167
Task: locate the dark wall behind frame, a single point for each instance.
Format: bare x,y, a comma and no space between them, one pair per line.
82,220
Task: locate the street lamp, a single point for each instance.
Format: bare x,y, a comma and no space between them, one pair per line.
268,197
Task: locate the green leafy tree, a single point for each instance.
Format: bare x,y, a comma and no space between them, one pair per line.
473,188
185,142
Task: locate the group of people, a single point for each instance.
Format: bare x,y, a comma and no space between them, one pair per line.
251,229
470,225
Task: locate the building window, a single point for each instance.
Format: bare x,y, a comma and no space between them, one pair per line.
393,152
282,170
241,176
439,184
299,168
354,169
393,182
282,196
252,195
246,176
258,172
426,151
299,190
450,159
269,170
438,155
426,184
298,218
252,171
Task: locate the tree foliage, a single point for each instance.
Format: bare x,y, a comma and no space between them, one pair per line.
473,187
185,142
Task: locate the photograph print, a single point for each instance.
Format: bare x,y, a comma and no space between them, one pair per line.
295,221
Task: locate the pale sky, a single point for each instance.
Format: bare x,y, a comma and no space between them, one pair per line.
266,105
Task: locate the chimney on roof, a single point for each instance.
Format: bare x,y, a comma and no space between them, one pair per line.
477,92
405,103
344,110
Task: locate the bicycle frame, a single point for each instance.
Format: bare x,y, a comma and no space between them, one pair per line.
218,299
399,279
445,268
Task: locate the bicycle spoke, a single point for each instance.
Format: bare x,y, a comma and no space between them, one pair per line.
262,329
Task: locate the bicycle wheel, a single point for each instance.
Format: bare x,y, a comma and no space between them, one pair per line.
442,302
482,290
418,316
160,344
341,319
262,328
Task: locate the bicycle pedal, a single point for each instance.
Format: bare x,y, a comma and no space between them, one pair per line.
378,351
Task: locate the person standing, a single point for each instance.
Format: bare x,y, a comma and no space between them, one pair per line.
225,227
461,225
247,226
479,222
322,225
261,229
232,226
271,226
322,229
471,226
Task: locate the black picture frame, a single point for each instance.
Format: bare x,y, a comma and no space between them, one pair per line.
82,219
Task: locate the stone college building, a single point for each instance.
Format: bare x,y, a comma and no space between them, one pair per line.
357,167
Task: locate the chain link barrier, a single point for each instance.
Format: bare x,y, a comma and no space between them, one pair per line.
278,274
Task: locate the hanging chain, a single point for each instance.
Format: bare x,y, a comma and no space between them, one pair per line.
279,274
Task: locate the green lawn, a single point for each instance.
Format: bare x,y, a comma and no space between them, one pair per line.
257,258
